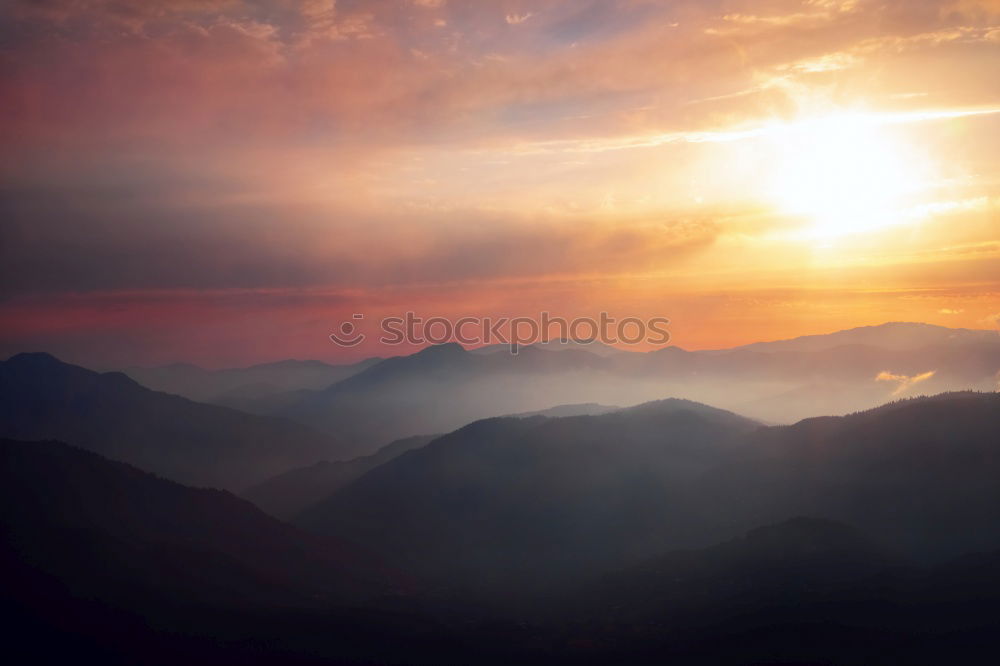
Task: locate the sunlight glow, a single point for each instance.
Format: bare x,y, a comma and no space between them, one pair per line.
845,174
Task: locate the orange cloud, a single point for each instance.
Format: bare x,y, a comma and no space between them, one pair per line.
903,382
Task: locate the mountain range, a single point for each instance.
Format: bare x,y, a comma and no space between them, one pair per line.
234,387
73,514
444,387
288,494
531,499
800,591
526,503
104,562
580,532
186,441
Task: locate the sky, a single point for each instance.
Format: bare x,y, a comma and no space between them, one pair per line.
225,181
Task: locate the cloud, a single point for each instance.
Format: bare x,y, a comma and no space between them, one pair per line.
950,311
517,19
974,8
903,382
382,73
162,230
248,144
992,320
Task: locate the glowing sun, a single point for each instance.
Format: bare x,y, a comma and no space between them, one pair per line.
844,174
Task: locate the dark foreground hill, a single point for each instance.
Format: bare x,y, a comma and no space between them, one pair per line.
104,563
288,494
110,414
798,560
114,529
511,505
921,474
531,500
803,591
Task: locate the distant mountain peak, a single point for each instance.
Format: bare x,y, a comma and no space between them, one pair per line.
591,345
37,362
674,405
34,358
111,414
805,529
897,335
181,365
671,349
443,349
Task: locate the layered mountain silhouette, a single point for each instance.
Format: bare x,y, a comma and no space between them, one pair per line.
838,373
514,503
236,387
115,530
796,561
902,336
918,473
439,389
670,531
104,563
110,414
288,494
535,498
444,387
582,409
804,590
558,344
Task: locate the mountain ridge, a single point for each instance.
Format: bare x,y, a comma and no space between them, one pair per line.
112,414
